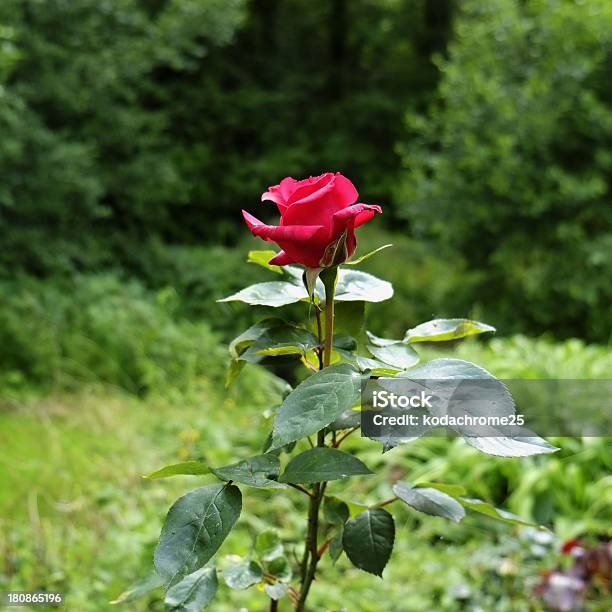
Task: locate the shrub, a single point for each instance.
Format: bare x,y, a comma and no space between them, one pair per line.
512,164
99,328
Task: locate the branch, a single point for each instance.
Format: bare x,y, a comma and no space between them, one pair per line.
302,489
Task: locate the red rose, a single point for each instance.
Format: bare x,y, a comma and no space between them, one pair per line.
315,213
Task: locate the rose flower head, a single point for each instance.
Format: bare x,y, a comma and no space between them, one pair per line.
318,218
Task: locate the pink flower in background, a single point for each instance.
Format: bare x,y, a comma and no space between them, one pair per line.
315,213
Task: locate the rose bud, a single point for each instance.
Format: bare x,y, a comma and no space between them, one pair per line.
319,216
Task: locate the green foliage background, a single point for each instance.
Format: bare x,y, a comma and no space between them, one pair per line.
134,131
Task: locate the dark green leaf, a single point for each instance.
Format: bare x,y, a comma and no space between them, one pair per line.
335,546
242,342
242,575
335,510
430,501
444,376
272,293
259,471
319,464
350,317
315,403
194,529
398,355
139,589
344,342
268,545
194,592
443,330
186,468
284,449
280,568
282,340
368,540
347,420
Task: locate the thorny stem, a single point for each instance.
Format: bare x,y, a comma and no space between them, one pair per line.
311,549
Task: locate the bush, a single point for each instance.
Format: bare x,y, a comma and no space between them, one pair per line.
99,328
512,165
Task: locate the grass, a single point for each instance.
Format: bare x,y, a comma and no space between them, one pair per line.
77,516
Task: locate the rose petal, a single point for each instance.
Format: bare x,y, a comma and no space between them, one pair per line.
312,188
351,217
345,189
356,215
281,259
274,233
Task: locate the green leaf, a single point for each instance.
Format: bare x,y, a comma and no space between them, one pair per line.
288,448
391,352
242,575
280,568
344,342
377,341
268,545
319,464
233,371
430,501
443,330
271,293
347,420
377,368
194,529
335,546
354,262
139,589
194,592
242,342
186,468
315,403
260,471
368,540
277,590
335,510
505,446
444,376
482,507
358,286
261,258
282,340
449,489
398,355
239,345
350,317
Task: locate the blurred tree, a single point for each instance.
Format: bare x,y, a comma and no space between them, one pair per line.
136,119
84,159
512,165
